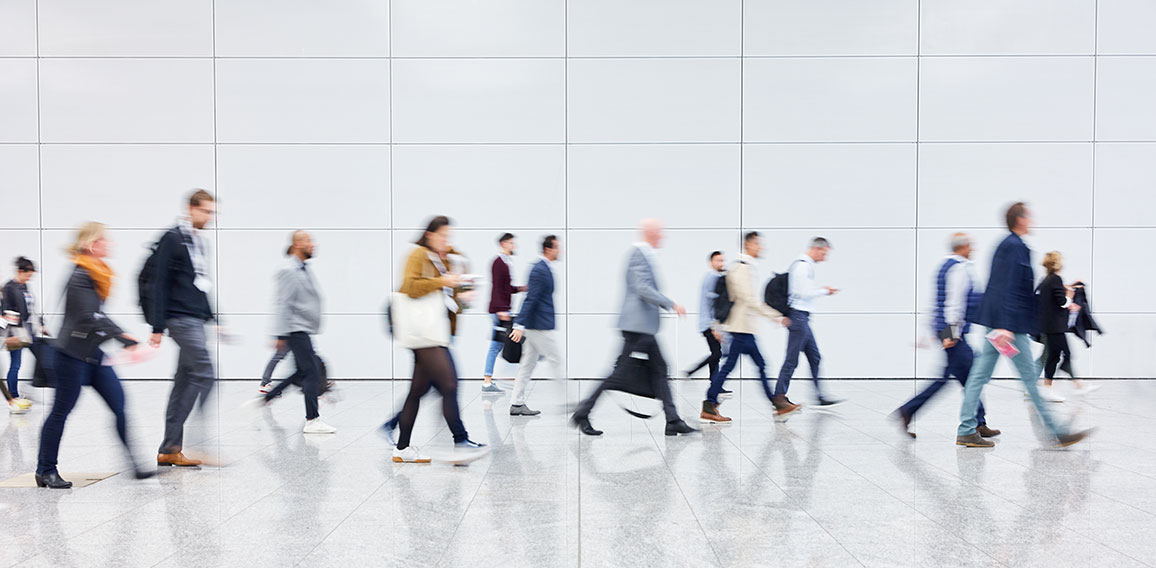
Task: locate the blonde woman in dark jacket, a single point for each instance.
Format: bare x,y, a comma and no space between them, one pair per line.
81,361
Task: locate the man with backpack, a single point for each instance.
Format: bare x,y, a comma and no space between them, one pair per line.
741,321
174,289
800,293
706,316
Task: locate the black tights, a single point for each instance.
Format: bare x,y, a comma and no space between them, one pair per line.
1055,350
432,368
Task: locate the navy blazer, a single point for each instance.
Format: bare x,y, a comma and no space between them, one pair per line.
1009,302
538,308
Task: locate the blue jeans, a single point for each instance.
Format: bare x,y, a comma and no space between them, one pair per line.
495,348
981,371
14,372
71,374
959,360
40,349
799,339
741,344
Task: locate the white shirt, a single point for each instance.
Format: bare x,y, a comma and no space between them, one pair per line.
956,284
198,254
801,284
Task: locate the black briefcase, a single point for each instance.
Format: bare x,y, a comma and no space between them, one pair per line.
512,350
43,375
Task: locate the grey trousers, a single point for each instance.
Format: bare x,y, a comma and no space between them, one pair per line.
193,379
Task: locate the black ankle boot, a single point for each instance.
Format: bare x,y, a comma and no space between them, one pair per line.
52,480
676,427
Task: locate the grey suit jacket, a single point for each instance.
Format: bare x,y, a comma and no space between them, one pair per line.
298,302
642,302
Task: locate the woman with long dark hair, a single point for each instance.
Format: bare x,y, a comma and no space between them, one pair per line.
81,361
20,304
427,272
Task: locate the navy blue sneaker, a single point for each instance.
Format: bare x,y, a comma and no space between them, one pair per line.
468,445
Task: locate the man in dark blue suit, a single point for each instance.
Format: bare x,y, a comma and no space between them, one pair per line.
535,322
1008,311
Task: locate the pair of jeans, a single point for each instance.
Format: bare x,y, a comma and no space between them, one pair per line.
540,343
308,373
192,381
639,352
712,360
981,373
800,338
14,371
495,347
959,361
433,368
278,356
741,344
71,375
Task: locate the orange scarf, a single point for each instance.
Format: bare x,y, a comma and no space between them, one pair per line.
99,271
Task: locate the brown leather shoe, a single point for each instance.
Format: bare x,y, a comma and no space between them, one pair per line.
710,413
784,408
987,432
178,459
904,422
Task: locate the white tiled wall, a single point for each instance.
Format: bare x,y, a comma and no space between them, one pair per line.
884,125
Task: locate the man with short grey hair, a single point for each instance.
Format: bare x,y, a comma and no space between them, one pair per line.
802,292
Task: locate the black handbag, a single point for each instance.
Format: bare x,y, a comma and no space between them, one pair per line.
512,350
43,375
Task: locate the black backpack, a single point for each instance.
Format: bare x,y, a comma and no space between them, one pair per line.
722,300
144,283
777,294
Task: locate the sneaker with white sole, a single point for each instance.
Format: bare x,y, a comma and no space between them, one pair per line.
265,387
14,407
1050,395
316,426
410,455
1086,389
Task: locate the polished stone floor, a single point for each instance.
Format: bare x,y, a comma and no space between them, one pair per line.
843,488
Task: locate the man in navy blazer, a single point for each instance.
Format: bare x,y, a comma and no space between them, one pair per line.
639,321
535,322
1008,310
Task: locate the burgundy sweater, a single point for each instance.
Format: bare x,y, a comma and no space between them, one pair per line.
503,287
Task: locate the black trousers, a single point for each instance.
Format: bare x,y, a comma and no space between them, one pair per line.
1055,348
308,373
713,359
640,355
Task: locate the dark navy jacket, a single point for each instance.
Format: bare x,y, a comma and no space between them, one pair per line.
1009,302
538,308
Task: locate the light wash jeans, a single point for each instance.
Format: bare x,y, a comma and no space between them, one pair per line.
981,371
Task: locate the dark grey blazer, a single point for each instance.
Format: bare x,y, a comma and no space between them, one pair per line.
85,325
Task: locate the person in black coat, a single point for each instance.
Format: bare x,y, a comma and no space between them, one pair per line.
81,361
1057,310
18,300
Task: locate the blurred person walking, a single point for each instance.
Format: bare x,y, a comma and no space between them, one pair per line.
81,361
535,322
1009,310
802,292
741,323
956,306
428,281
502,290
298,309
639,322
1058,312
708,324
26,329
175,297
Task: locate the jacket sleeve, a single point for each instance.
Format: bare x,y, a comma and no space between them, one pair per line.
533,297
414,283
1056,290
285,293
161,280
83,301
9,298
638,272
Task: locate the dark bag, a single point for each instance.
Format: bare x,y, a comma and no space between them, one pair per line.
502,330
722,300
777,294
44,375
512,350
144,282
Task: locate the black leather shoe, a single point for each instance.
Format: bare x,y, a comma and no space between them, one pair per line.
52,481
678,427
584,426
144,473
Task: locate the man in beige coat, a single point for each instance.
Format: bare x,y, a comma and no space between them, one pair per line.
746,310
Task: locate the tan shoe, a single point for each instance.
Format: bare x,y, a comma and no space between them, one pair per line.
710,413
784,408
178,459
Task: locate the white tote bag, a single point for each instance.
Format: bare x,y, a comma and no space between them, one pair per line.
420,322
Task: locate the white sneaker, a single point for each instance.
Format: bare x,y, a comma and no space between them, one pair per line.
14,406
1050,395
265,388
1086,389
316,426
410,455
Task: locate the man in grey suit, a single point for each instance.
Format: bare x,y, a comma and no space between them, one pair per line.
298,318
638,321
